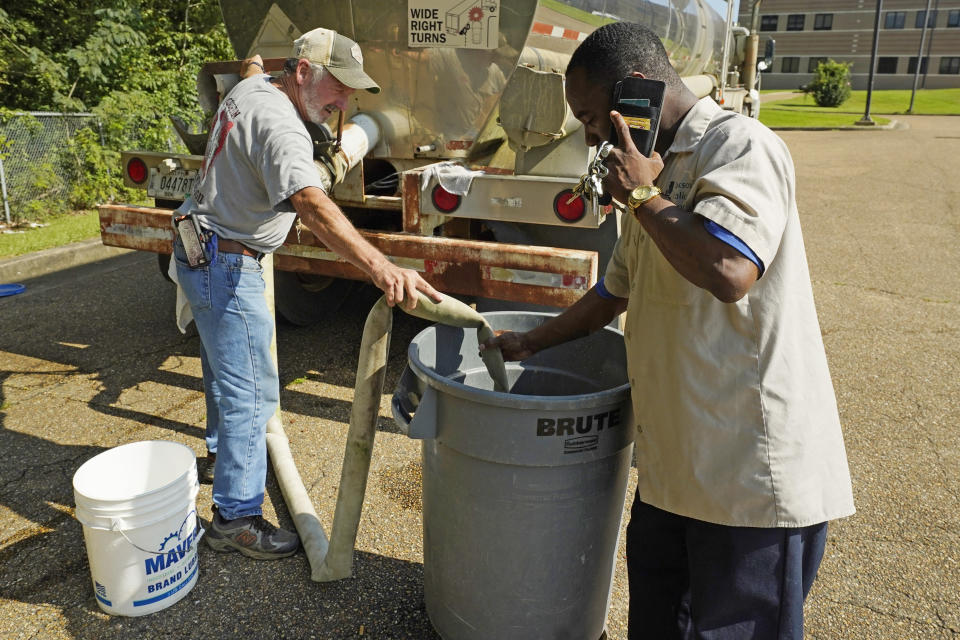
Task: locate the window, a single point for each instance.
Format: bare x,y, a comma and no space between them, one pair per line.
950,65
931,23
953,18
912,65
895,19
887,64
812,64
795,22
823,22
790,64
768,23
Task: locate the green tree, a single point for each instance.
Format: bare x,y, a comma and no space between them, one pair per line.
831,83
68,55
133,63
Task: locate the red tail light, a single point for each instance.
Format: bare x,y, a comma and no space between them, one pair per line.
137,170
444,201
566,210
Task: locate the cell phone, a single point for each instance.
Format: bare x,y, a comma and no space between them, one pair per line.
639,101
192,238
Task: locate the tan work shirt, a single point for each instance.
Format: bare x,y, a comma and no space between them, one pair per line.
737,421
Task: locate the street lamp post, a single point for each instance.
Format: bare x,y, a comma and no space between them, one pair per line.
916,72
866,119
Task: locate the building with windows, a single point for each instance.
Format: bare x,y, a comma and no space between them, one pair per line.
808,31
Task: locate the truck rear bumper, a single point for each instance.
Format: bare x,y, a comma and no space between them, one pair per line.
521,273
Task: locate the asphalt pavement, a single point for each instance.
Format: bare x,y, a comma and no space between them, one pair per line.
90,359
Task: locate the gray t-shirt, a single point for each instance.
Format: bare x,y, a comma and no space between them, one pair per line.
258,155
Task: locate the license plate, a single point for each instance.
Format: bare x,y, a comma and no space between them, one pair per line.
176,185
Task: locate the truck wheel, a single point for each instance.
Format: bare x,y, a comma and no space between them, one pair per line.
303,299
163,261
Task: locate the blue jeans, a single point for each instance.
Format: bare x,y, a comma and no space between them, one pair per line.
240,380
694,580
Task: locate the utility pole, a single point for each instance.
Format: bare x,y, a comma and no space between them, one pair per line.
916,72
933,32
866,119
3,184
749,73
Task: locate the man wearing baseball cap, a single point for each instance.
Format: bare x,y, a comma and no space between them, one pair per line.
340,56
257,177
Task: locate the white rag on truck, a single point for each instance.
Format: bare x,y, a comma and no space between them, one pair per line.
454,178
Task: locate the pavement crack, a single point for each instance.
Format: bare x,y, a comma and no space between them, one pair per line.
886,292
16,480
940,622
62,464
944,624
941,463
877,611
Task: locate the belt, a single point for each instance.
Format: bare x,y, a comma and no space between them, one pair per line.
232,246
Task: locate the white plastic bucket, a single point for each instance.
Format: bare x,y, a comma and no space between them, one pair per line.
137,505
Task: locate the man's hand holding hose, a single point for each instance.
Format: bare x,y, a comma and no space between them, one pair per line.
513,346
588,314
328,223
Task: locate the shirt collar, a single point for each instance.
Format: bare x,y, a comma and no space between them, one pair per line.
694,125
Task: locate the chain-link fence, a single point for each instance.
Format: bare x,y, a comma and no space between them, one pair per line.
38,162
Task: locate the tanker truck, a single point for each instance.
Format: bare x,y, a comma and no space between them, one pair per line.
463,166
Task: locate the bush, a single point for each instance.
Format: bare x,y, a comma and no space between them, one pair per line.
95,173
132,63
831,84
57,163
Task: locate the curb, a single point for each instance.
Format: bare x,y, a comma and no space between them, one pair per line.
893,124
40,263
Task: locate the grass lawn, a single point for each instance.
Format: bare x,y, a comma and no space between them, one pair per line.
59,230
577,14
802,111
892,102
774,116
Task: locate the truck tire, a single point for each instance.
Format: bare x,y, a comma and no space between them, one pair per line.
163,262
163,259
300,299
303,299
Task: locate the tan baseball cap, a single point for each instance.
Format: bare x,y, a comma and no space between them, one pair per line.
339,54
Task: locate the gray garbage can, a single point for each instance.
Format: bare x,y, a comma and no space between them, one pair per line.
523,492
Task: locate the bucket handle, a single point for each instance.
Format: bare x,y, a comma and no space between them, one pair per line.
400,414
117,526
405,400
422,425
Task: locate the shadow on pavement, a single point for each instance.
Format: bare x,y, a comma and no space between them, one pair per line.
90,359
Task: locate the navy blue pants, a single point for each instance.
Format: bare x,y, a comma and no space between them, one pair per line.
692,579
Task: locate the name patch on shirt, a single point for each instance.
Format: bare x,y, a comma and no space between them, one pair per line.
677,192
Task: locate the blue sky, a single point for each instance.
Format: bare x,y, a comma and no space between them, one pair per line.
721,7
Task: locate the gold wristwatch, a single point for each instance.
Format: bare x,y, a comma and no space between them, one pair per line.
640,195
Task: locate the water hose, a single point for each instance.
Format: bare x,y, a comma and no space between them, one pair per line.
456,314
333,559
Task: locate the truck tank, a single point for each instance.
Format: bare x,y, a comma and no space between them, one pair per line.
442,73
476,82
